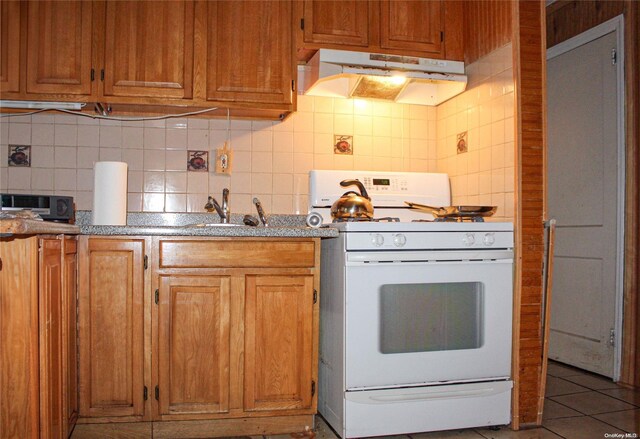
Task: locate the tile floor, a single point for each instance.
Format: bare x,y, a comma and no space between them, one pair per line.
578,405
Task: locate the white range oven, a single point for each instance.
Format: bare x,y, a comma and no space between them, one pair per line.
415,315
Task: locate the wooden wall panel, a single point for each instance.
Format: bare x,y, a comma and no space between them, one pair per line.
487,26
530,72
566,19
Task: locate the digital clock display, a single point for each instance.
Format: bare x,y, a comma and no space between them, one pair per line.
381,182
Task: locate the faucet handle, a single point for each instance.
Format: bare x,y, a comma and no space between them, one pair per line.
261,214
209,207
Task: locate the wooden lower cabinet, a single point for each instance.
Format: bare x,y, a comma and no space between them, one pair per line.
278,342
38,345
111,328
193,344
233,340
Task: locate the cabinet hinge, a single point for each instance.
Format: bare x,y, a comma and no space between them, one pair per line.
315,296
102,75
614,56
157,296
146,262
146,393
441,36
612,337
93,75
302,23
157,393
313,388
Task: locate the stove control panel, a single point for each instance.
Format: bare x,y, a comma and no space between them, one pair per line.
390,183
428,240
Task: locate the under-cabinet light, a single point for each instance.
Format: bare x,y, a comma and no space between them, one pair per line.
40,105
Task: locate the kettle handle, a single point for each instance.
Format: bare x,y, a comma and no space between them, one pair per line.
363,191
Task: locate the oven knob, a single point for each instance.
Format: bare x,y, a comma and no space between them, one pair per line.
489,239
469,239
377,239
399,240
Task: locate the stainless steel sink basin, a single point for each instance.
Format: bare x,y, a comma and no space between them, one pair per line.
215,225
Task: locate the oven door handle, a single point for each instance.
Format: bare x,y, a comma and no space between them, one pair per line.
493,256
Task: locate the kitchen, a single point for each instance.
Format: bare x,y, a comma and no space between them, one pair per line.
271,160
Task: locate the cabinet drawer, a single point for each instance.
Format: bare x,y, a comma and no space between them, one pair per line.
232,254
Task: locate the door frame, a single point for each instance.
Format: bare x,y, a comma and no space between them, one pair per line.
616,25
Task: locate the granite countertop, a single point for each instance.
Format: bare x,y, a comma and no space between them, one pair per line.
167,224
241,231
181,224
24,226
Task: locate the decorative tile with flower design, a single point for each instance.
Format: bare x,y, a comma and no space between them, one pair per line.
20,155
197,161
342,144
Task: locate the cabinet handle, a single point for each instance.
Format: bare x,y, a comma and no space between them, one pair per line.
102,75
146,393
93,75
157,393
157,298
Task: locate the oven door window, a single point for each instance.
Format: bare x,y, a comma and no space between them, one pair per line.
431,317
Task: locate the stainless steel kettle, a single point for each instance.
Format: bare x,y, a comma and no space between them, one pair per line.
352,204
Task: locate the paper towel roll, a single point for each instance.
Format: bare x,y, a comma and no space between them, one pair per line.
110,193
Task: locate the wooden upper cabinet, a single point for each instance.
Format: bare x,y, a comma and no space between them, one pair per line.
427,28
250,51
278,342
59,49
337,22
10,32
411,25
193,327
111,316
149,49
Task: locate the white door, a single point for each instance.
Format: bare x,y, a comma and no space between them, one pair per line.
583,198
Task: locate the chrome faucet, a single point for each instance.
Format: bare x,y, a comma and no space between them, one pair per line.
261,214
223,211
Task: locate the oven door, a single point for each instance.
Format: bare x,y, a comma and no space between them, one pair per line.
427,317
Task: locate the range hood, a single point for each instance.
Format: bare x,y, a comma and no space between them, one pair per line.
402,79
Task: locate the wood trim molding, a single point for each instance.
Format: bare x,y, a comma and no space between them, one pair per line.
530,74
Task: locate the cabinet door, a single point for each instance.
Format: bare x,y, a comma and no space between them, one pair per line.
278,342
412,25
193,328
19,338
337,22
250,51
51,321
149,49
111,314
69,335
59,47
10,29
